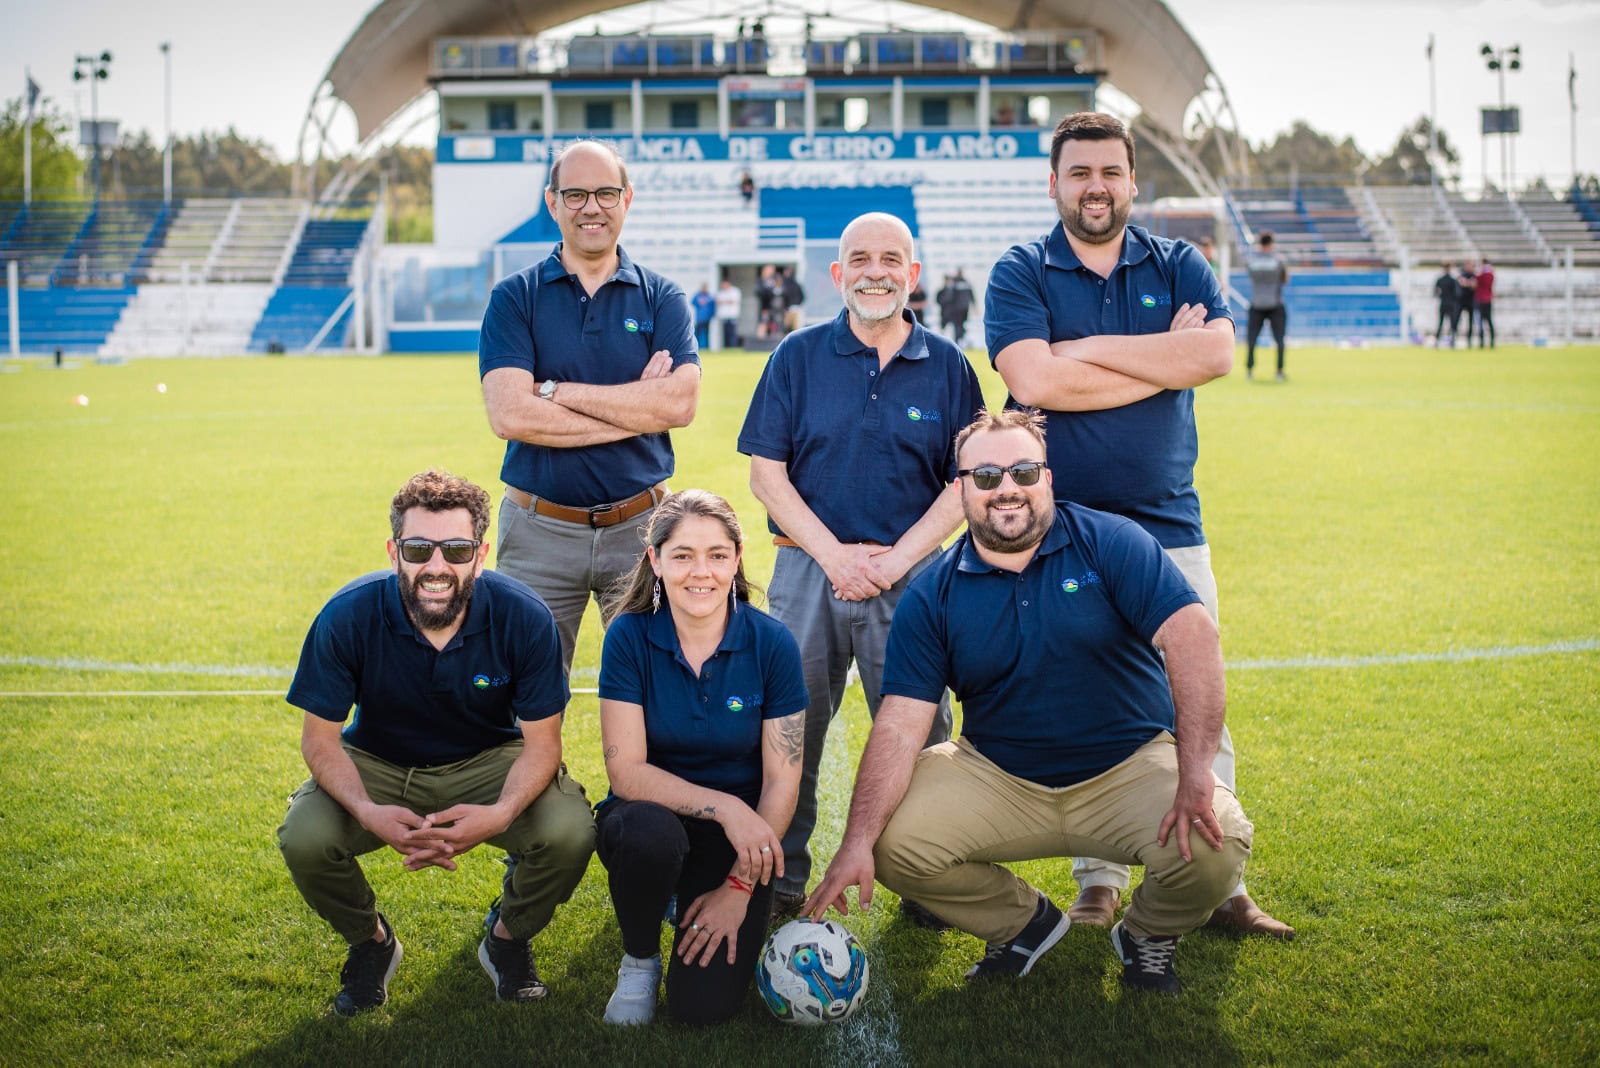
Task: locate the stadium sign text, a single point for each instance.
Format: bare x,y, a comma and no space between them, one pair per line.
755,148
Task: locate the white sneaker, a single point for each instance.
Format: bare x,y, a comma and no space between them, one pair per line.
634,1000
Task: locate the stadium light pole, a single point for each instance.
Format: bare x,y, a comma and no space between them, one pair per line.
96,69
1498,60
166,152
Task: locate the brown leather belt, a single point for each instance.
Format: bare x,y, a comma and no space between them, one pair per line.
601,515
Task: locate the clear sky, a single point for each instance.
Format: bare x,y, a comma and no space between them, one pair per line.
1348,67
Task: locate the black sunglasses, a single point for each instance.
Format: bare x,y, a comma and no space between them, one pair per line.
988,476
455,550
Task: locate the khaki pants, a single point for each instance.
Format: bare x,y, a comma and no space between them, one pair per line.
962,816
554,838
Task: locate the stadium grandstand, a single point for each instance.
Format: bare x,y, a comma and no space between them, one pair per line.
941,115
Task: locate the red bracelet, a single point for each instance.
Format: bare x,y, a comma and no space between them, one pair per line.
739,884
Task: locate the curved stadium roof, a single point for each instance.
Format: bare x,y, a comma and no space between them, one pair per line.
384,66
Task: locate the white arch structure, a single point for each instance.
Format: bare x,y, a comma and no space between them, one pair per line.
383,69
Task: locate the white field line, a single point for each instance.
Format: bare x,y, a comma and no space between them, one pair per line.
158,693
870,1038
247,671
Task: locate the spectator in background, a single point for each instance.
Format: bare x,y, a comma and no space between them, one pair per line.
1208,249
917,302
955,304
1269,271
794,299
747,187
769,294
730,304
1448,295
1483,299
705,308
1466,299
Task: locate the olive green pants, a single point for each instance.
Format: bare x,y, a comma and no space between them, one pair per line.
554,837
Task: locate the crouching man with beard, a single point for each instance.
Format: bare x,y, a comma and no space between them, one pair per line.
1050,623
455,675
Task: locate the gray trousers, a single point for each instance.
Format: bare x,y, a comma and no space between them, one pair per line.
1195,563
566,563
831,633
554,838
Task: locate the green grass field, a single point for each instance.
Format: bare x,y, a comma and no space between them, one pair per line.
1408,548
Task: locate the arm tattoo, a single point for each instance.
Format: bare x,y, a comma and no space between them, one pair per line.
611,751
704,812
791,740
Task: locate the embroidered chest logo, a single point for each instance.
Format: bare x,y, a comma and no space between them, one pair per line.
484,682
1150,302
735,704
633,326
1073,585
922,415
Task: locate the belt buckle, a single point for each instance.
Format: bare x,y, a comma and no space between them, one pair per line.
599,511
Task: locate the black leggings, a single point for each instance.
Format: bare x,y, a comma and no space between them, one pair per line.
651,853
1279,320
1486,320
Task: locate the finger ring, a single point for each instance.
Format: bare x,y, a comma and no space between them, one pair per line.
694,927
766,849
1197,819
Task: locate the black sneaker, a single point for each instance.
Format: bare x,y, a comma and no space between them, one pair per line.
1146,962
921,915
509,962
786,904
366,973
1017,956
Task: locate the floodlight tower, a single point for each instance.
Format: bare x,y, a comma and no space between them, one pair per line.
96,69
1498,60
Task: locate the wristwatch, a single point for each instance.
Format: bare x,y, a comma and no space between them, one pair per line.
547,391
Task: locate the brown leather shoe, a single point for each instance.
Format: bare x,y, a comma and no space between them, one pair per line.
1245,917
1096,906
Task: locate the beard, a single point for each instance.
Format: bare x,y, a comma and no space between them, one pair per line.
897,295
432,616
1094,233
1013,531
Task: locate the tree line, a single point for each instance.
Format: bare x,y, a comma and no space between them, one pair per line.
232,164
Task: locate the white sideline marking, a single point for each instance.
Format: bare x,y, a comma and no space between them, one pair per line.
155,693
1451,656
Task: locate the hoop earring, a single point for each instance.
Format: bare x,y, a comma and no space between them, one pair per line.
655,596
733,599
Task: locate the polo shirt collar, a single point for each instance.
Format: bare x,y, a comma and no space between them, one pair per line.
845,342
553,270
1055,539
394,612
664,635
1058,250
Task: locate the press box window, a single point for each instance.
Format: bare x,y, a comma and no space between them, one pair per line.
502,114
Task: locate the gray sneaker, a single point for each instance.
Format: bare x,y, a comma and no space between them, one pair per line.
1017,957
634,1001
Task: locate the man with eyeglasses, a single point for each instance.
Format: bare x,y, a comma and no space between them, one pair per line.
1107,329
1050,622
456,679
588,360
850,435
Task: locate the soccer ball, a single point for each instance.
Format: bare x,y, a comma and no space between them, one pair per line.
812,973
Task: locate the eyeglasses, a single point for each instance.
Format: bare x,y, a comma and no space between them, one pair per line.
607,196
988,476
455,550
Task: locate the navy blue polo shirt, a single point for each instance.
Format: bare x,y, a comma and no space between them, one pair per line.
1055,672
417,706
1137,460
707,729
867,450
541,320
